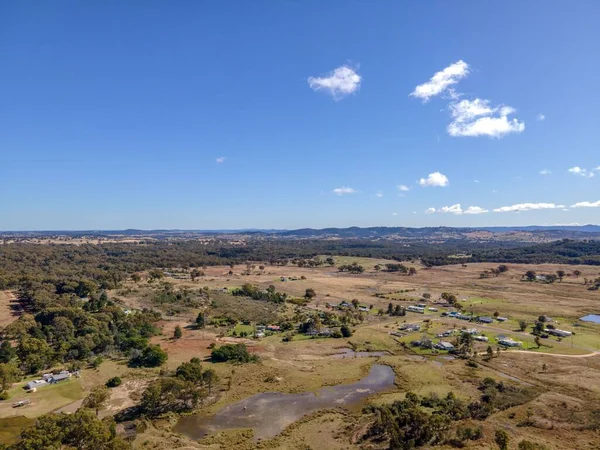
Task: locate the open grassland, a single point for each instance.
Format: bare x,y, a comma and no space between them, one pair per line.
566,386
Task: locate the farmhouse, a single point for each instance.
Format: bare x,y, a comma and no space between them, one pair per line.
410,327
508,342
557,332
443,345
485,319
35,384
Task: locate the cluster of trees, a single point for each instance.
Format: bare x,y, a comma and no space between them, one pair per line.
399,267
351,268
232,352
396,311
184,391
68,331
81,430
425,421
494,272
168,295
252,291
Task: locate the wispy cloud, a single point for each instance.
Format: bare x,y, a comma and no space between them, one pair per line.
470,118
528,207
582,172
338,83
220,160
379,194
545,172
441,81
586,205
435,179
403,188
429,210
540,117
478,118
344,190
458,210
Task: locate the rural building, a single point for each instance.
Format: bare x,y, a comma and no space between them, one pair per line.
273,328
35,384
416,309
485,319
443,345
481,338
410,327
557,332
508,342
501,319
60,377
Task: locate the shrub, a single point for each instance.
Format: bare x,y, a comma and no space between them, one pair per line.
346,331
114,382
232,352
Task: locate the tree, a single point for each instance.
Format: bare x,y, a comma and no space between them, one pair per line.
577,273
190,371
310,293
538,341
522,325
96,399
7,352
412,271
501,438
210,378
530,275
135,277
9,374
151,356
200,320
355,303
561,275
390,309
177,333
81,430
169,394
346,331
503,268
232,352
377,267
195,273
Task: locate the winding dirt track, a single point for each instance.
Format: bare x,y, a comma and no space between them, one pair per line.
587,355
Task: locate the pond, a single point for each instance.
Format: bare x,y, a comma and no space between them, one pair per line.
269,413
591,318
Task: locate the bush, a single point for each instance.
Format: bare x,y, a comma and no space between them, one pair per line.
114,382
4,395
346,331
232,352
151,356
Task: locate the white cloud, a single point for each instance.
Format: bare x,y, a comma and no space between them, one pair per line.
429,210
581,172
339,83
545,172
469,117
540,117
586,205
344,190
220,160
379,194
403,188
435,179
442,81
597,169
457,210
528,207
478,118
394,214
475,181
454,209
475,210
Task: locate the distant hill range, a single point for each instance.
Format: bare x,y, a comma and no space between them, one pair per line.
515,235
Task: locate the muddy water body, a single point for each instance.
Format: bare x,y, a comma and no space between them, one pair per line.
269,413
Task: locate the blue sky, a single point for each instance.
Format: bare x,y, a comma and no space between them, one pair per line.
289,114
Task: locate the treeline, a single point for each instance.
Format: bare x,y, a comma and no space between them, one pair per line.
254,292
